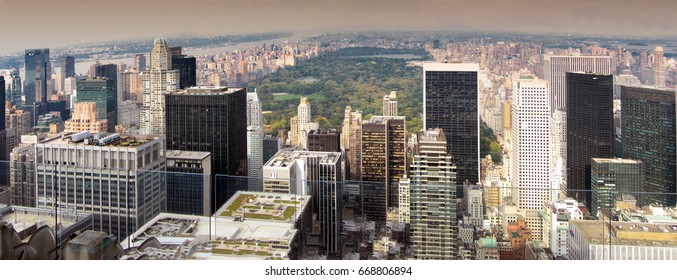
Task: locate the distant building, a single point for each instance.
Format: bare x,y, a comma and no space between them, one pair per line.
271,145
658,67
103,92
189,178
390,104
86,117
160,79
37,78
474,206
255,157
67,68
555,68
351,143
186,66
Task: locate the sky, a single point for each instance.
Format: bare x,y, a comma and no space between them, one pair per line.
39,23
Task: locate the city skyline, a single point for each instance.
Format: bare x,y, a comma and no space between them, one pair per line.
610,18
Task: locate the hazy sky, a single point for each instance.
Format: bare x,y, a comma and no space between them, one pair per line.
56,23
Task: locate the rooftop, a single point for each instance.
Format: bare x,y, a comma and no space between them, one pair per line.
187,154
286,158
264,206
616,160
206,90
22,218
86,138
622,233
200,237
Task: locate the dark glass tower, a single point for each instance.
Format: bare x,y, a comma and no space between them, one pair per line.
450,102
590,127
322,140
103,92
37,78
3,134
109,71
186,66
67,67
211,120
648,123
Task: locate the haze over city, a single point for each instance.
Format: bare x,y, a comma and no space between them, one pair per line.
42,24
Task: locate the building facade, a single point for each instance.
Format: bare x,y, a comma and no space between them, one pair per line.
157,81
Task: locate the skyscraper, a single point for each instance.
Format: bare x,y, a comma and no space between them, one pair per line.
255,157
451,103
296,172
383,165
3,135
86,117
67,68
323,140
37,78
186,65
390,104
434,224
590,127
304,122
161,79
189,176
121,194
211,119
658,67
351,143
254,141
140,62
531,148
103,92
38,73
648,122
612,176
555,68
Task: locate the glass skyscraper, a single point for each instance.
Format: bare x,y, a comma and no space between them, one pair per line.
103,92
648,123
450,102
590,127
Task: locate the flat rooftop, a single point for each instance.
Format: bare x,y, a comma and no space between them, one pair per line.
624,233
382,119
616,160
176,154
22,218
285,158
206,90
201,237
113,140
270,207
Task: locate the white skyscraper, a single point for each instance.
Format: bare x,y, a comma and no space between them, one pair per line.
304,124
555,68
160,79
255,157
658,67
254,141
254,113
531,148
390,104
558,153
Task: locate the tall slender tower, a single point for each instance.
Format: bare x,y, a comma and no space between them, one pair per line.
67,68
531,148
658,67
37,79
590,127
254,142
451,102
160,79
432,200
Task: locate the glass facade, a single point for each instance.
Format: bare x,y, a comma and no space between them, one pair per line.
103,92
451,103
590,127
648,123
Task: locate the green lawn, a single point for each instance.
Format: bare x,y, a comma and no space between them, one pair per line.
236,204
